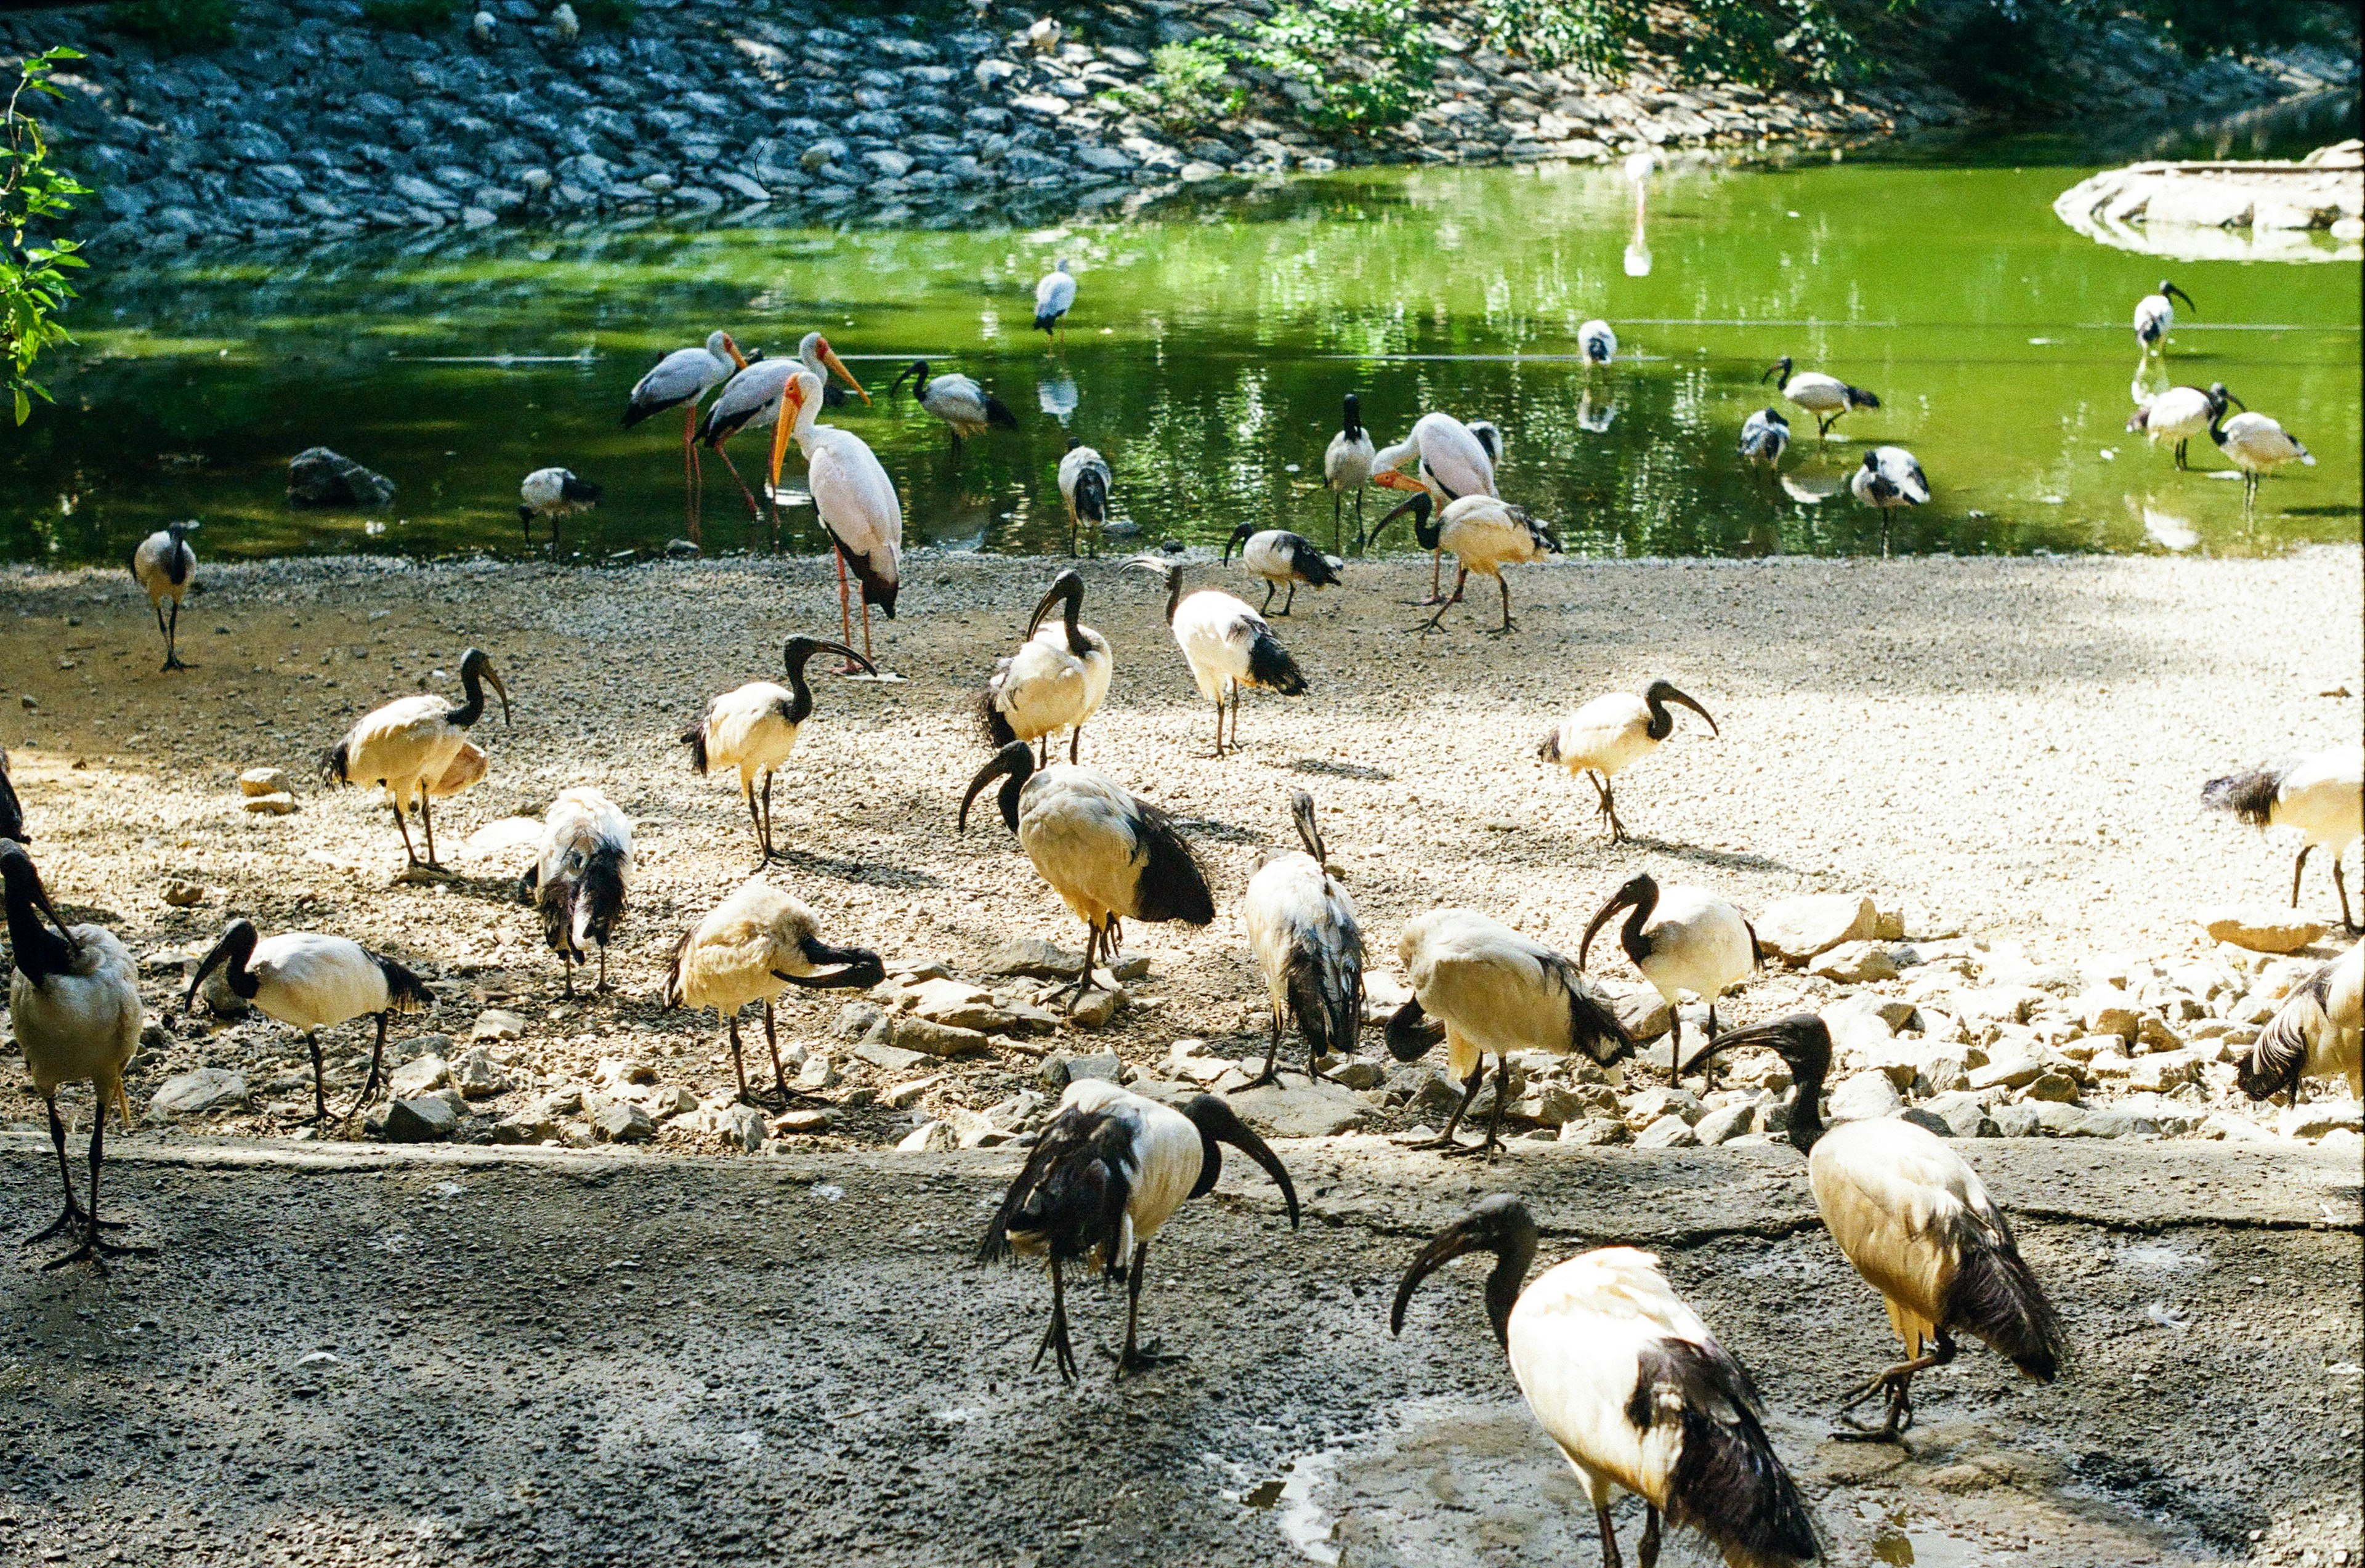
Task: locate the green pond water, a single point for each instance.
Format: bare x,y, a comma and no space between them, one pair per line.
1211,342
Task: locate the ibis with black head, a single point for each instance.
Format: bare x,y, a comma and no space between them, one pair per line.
408,743
1280,556
1056,680
166,568
754,946
1610,734
1681,939
1228,646
754,727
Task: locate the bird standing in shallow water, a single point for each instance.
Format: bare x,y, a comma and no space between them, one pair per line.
968,409
2258,446
1826,397
1084,481
1055,295
551,494
2176,416
2155,314
1764,435
1347,465
164,568
680,380
410,742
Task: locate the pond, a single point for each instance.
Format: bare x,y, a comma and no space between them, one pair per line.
1211,344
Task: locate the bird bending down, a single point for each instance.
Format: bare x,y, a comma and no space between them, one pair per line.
680,380
970,409
1888,477
1612,731
1056,680
2258,446
1280,556
2317,1033
1826,397
1227,645
411,741
1055,294
1485,535
1302,928
2321,794
1764,435
2155,314
1450,460
1346,466
1681,939
757,943
754,727
1599,342
1104,1179
309,982
164,566
2176,414
1632,1389
1916,1223
1485,987
74,1007
580,876
550,494
1084,481
1110,856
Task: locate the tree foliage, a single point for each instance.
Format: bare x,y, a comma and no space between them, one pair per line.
177,26
1359,65
1767,42
35,196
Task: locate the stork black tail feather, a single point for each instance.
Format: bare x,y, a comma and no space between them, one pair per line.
406,993
334,763
1271,667
1996,1298
2250,796
1728,1482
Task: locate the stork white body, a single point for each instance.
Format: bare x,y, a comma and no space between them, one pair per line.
467,770
165,568
1599,342
1450,461
1888,479
1055,295
2319,1031
856,503
2321,795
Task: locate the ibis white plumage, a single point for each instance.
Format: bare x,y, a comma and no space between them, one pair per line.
1484,535
679,380
1612,732
1280,556
1055,682
2174,416
580,877
1599,342
2155,314
1826,397
1681,939
1916,1223
1890,477
752,947
2321,794
310,982
165,567
1450,460
1084,481
551,494
2319,1031
2258,446
1228,646
1483,987
410,742
1346,466
74,1007
754,727
1107,1174
1055,296
1633,1390
1110,856
1302,927
968,408
1763,436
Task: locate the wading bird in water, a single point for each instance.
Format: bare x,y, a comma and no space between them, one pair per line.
679,380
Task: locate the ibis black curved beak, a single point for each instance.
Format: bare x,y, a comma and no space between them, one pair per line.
237,945
1412,1032
915,373
859,967
1779,367
1801,1039
1500,1225
2173,292
1624,898
1682,699
1301,811
1222,1125
1450,1244
2237,402
1240,536
1066,585
476,660
797,651
24,877
1418,503
1017,760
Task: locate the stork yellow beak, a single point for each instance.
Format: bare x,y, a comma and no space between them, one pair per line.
731,347
792,404
829,357
1395,479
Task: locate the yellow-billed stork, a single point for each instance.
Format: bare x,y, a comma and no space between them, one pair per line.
1681,939
752,947
679,380
1302,928
1055,682
1228,646
1826,397
855,501
815,354
754,727
2319,1031
968,409
409,742
164,568
2322,794
1597,341
1611,733
580,876
1449,461
1280,556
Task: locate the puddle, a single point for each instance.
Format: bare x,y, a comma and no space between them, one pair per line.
1897,1537
1309,1528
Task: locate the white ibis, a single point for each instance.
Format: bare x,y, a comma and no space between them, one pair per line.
164,566
2176,414
754,946
754,727
1888,479
1450,460
1487,987
1302,928
1055,295
1346,466
970,409
580,877
563,21
2258,446
2155,314
1612,732
1599,342
551,494
680,380
1632,1389
1104,1179
1280,556
1764,435
2322,794
1916,1223
1227,645
1055,682
1681,939
1485,535
12,811
1043,34
74,1007
1110,856
1826,397
1084,481
411,741
815,354
310,981
467,770
855,501
2319,1031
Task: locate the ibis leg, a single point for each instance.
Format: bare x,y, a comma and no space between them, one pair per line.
2297,866
72,1214
157,605
1273,1049
1219,727
1505,583
1610,1558
2340,886
319,1080
1261,609
1337,513
1055,1338
427,819
1076,743
403,822
1646,1550
1083,976
172,630
603,984
94,1249
2179,456
1236,718
1897,1382
1289,604
1136,1359
369,1083
1493,1139
773,1043
1043,749
1609,809
1444,1141
763,850
738,1063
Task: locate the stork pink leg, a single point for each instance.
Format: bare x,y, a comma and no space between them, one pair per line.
753,510
689,465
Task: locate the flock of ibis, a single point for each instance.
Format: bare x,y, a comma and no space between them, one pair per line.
1628,1378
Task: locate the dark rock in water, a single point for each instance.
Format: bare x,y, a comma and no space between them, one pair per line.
319,478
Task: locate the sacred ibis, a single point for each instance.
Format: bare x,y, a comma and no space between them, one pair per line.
1611,733
1764,435
1599,342
1055,295
550,494
1056,680
1487,987
1084,481
2258,446
1632,1389
12,812
854,497
1110,856
1915,1222
1681,939
580,876
1302,928
310,982
679,380
1826,397
815,354
1280,556
752,947
74,1007
410,740
1347,465
164,566
964,406
1450,460
563,21
754,727
2317,1033
2322,794
2176,414
2155,314
1484,535
1227,645
467,770
1104,1179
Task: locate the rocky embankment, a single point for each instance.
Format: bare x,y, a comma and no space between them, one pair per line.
316,125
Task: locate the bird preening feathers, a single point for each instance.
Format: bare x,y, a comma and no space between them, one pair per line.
1302,928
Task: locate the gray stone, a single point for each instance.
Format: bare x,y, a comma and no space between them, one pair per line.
856,1019
1957,1115
2010,1071
935,1040
1641,1009
1094,1008
618,1121
420,1075
2318,1117
2053,1086
497,1024
739,1126
1296,1108
1595,1132
533,1124
889,1059
320,477
1642,1110
803,1122
1797,929
2104,1122
1667,1132
931,1136
955,1004
425,1118
1854,963
1105,1065
1863,1097
194,1093
2264,929
1725,1123
278,805
2015,1121
1033,957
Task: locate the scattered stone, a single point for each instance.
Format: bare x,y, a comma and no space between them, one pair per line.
1863,1097
1642,1010
2317,1117
820,1070
1103,1064
857,1019
904,1097
1594,1132
1959,1115
2011,1071
265,781
425,1118
194,1093
890,1059
615,1072
955,1004
497,1024
1725,1123
1668,1132
1797,929
533,1124
1357,1073
794,1122
740,1126
1131,967
1094,1008
320,477
928,1137
1855,963
2233,1130
2107,1122
1651,1105
2015,1121
664,1101
420,1075
1034,957
935,1040
618,1121
2259,930
278,805
1293,1107
2054,1086
181,895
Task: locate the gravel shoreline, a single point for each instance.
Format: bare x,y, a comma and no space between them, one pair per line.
2000,751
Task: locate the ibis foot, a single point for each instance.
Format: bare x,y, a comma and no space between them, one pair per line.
95,1250
1138,1360
1486,1148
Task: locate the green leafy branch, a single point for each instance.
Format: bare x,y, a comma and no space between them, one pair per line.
34,193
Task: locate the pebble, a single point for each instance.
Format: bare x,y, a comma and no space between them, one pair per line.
194,1093
182,894
428,1118
1094,1008
497,1024
1797,929
617,1120
1668,1132
2262,929
273,805
265,781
